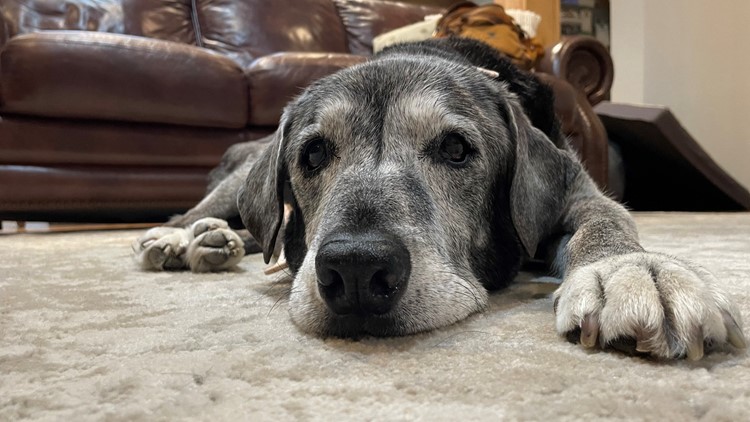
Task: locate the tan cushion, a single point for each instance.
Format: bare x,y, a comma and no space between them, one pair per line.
276,79
366,19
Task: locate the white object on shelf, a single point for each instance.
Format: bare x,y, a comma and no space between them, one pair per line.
528,20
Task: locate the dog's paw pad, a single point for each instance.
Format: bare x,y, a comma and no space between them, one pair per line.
215,250
208,224
162,248
647,304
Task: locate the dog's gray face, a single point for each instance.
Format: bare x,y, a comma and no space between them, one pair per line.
399,173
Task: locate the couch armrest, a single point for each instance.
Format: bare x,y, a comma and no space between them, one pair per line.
277,78
93,75
582,127
4,29
584,62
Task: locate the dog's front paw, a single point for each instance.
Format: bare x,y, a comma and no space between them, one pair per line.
215,247
207,224
162,248
647,303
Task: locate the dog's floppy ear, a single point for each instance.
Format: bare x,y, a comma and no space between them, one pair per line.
540,180
261,198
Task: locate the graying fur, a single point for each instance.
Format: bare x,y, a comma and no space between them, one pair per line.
519,192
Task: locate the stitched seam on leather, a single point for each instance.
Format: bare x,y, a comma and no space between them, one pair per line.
196,23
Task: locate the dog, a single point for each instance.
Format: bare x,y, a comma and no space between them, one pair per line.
403,190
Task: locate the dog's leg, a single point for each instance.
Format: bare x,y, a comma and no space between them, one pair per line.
613,292
201,238
221,202
618,295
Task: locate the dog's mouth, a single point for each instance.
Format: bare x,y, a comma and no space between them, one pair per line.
355,326
424,306
357,284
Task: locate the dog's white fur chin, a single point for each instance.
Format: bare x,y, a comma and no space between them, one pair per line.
449,298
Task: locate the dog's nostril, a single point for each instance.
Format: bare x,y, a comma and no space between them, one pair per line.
383,283
332,279
334,289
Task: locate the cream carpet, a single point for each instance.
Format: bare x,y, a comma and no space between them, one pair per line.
84,335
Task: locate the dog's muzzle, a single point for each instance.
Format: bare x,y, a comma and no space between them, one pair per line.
362,274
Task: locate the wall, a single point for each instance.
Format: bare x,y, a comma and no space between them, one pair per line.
688,55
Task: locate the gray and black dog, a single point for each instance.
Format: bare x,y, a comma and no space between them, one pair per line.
410,186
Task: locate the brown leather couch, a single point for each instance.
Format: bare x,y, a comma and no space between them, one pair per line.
115,110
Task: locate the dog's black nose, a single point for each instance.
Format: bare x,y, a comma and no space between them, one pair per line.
363,274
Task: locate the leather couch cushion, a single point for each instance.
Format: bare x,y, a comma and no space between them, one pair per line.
34,191
52,142
169,20
88,75
276,79
249,29
243,30
366,19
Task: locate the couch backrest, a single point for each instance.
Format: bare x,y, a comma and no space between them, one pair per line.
248,29
23,16
242,29
365,19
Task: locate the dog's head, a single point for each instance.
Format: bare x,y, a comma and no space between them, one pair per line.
415,184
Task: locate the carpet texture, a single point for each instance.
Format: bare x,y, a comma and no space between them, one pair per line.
85,335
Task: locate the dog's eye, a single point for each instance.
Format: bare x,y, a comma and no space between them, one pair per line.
454,148
315,154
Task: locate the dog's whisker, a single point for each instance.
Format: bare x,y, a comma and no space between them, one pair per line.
276,303
457,279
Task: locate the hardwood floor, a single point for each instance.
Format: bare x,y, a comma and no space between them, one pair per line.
17,227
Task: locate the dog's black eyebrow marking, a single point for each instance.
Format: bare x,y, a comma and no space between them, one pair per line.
502,109
378,101
287,126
